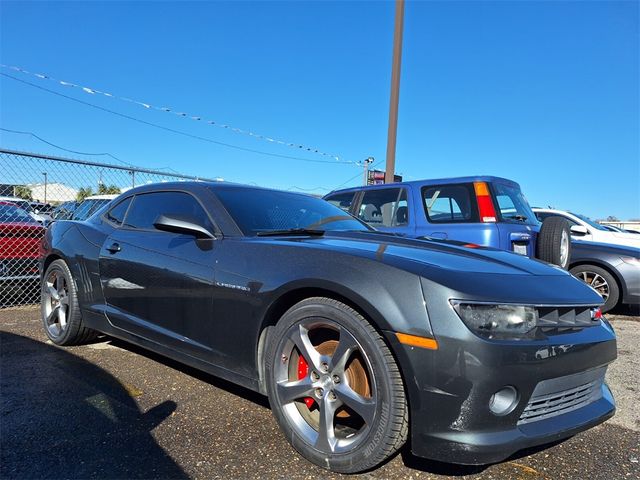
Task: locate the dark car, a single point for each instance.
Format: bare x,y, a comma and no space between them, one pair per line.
613,270
485,210
360,339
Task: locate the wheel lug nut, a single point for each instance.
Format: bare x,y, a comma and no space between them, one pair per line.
315,376
332,396
319,392
336,379
325,367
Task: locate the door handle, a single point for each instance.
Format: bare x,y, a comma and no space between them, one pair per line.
439,235
114,248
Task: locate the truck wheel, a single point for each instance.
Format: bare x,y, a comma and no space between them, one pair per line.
554,242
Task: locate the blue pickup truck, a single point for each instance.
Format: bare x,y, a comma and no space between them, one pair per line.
481,210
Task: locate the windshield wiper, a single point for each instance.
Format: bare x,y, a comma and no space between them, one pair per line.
520,218
290,231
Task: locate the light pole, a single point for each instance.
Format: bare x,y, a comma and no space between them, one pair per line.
45,186
395,93
366,163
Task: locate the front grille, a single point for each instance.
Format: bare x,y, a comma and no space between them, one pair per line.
545,403
565,318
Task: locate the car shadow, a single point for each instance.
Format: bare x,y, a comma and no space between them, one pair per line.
64,417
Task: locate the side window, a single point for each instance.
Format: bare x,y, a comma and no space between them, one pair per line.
450,204
341,200
116,214
384,207
148,206
506,205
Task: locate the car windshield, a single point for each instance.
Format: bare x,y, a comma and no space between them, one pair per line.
257,210
513,206
585,219
88,208
11,213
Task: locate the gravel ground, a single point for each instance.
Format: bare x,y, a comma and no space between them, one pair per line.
111,410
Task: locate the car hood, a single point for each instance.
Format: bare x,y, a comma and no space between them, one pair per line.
416,255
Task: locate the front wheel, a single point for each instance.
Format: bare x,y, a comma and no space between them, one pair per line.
602,281
334,387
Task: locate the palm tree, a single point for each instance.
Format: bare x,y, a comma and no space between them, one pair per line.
83,193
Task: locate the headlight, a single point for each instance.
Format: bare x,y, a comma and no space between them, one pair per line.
500,319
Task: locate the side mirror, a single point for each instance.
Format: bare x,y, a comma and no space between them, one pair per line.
181,224
579,230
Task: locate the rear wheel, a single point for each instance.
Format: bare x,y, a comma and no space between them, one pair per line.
602,281
59,307
334,387
554,242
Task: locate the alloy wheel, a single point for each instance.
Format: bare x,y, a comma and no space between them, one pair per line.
597,282
325,385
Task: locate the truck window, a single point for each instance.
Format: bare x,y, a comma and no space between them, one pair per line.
384,207
450,203
341,200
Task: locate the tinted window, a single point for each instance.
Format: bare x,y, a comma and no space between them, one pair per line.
512,204
116,214
450,203
88,208
342,200
384,207
146,208
595,225
257,210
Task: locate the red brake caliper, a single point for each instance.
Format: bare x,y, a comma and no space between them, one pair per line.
303,371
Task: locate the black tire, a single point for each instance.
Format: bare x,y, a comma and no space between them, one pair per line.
554,242
595,276
72,332
375,440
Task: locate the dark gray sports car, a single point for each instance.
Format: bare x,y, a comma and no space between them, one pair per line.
361,340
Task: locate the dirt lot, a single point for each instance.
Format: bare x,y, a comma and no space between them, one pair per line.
111,410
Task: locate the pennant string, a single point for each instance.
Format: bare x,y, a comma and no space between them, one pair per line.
93,91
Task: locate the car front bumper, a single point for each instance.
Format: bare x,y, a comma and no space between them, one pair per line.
559,382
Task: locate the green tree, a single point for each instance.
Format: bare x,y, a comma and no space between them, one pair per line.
83,193
108,189
22,191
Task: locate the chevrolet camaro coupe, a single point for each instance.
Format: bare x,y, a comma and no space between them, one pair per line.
362,340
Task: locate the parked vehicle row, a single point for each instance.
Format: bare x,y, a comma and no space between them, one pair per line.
372,340
493,212
585,229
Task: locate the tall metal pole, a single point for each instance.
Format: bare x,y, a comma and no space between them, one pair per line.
45,186
395,93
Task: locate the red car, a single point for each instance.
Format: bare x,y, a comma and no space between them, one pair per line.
20,237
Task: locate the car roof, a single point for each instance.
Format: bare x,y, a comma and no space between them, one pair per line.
11,204
190,185
434,181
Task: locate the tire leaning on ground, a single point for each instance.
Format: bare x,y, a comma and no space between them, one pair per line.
59,307
603,282
554,242
334,387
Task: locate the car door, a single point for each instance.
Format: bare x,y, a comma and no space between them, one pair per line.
386,209
158,284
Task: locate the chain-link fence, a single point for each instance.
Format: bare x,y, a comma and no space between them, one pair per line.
36,190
